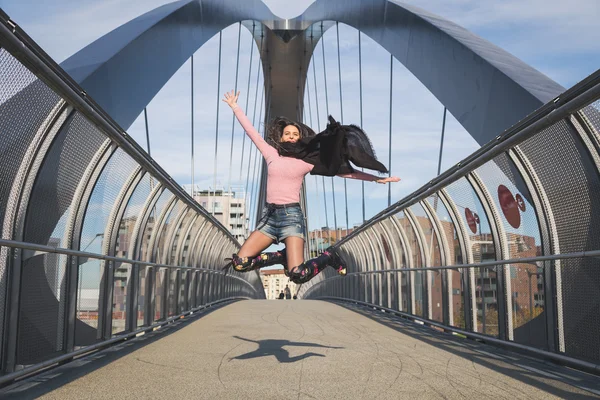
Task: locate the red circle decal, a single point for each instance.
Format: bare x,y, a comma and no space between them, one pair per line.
509,205
472,220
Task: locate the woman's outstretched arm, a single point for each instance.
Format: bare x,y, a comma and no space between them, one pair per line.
265,149
363,176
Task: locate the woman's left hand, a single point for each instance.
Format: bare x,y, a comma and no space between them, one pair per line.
388,179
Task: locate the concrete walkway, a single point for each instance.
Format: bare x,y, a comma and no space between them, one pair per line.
284,349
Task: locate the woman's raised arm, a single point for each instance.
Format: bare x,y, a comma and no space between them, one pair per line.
363,176
265,149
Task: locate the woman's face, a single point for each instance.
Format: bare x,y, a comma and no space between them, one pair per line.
290,134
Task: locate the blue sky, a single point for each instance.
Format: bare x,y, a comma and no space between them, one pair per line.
560,39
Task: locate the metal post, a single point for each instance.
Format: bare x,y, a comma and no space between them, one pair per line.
442,142
320,232
237,68
390,138
217,123
327,112
361,115
192,130
337,28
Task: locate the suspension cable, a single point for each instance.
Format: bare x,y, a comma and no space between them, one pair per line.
192,131
318,123
319,230
337,28
327,111
217,124
237,68
390,138
361,115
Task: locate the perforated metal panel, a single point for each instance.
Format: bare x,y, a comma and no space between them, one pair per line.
47,214
571,183
151,223
120,297
132,212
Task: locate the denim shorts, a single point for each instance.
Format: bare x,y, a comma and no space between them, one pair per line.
282,221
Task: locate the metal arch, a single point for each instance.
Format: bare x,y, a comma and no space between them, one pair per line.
410,263
191,259
392,292
14,223
74,228
425,259
183,27
158,228
376,278
363,249
468,277
134,252
550,245
187,231
384,287
140,224
505,320
444,257
109,246
173,229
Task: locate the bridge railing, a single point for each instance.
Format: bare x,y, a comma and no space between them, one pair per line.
98,241
504,245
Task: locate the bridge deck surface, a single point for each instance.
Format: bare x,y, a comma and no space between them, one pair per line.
304,350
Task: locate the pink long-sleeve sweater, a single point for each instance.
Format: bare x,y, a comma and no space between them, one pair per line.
285,174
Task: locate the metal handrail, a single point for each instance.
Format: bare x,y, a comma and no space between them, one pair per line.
524,260
569,102
68,252
24,49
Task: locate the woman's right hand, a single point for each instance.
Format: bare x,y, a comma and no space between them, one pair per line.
231,99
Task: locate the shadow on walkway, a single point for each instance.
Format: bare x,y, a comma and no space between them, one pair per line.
46,382
544,375
273,347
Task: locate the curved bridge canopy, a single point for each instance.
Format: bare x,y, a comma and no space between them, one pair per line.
484,87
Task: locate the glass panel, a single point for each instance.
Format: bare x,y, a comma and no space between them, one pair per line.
149,228
132,212
475,220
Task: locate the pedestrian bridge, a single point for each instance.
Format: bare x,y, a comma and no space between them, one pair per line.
483,282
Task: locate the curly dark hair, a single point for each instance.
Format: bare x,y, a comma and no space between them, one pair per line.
277,125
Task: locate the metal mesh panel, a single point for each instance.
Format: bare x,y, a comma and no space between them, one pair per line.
448,230
457,297
52,194
172,293
168,225
110,182
183,224
400,279
417,276
474,219
142,284
119,311
159,287
150,224
182,296
572,186
132,212
47,215
513,201
187,252
431,241
592,113
41,322
486,295
482,249
25,103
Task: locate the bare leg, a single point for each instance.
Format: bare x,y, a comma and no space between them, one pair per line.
255,244
295,251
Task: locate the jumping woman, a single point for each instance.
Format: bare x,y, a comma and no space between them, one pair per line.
294,151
